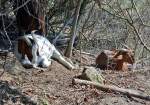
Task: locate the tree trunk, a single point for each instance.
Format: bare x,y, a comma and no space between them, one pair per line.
68,52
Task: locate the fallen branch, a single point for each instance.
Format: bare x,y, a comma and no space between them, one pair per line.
103,87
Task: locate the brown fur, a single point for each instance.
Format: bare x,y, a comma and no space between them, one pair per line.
117,60
24,49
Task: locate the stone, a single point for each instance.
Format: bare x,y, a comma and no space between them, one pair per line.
92,74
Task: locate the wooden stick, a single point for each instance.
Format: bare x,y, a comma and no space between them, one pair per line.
103,87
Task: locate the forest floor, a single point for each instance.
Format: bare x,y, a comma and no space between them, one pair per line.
53,86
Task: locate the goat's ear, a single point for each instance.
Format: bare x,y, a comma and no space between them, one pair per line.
26,39
124,51
114,50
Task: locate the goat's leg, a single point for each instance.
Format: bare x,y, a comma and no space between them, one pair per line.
56,55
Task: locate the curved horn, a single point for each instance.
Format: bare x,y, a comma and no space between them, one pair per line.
127,47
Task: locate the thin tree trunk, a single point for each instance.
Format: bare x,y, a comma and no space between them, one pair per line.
68,52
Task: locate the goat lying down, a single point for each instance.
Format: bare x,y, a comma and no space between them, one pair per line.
36,51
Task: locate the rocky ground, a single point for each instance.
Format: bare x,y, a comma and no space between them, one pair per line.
53,86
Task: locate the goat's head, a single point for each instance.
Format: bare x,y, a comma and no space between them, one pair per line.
127,55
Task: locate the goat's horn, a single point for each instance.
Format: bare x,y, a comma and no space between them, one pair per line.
127,47
32,32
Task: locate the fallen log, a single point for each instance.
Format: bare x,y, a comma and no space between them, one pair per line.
103,87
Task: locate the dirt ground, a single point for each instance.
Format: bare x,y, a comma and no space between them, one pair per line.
53,86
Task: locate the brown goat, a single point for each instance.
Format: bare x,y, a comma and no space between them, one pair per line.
116,60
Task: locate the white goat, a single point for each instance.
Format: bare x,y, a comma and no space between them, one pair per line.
34,50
